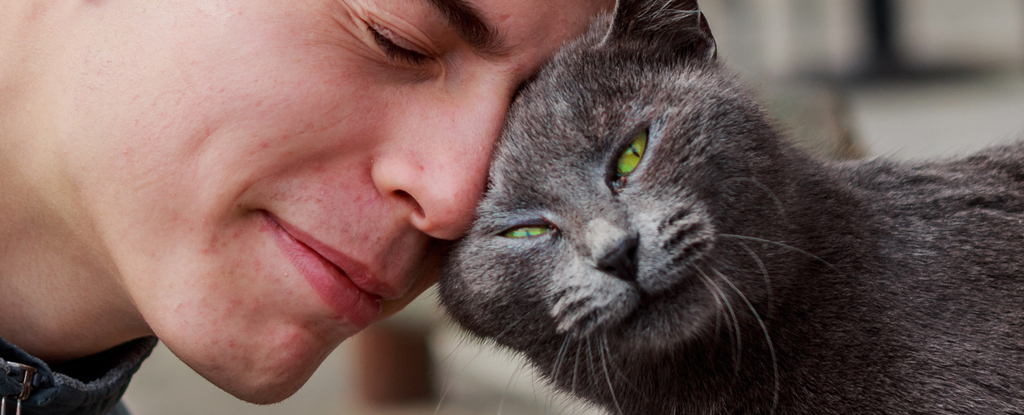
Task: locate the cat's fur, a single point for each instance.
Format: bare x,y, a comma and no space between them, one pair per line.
883,287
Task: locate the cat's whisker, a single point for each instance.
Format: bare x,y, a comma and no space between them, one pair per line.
618,372
533,384
662,16
735,322
444,393
778,203
780,244
452,353
447,388
764,271
608,378
498,337
575,364
767,337
558,360
515,375
590,360
718,305
448,370
558,363
573,313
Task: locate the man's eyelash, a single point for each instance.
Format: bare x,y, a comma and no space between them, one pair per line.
395,52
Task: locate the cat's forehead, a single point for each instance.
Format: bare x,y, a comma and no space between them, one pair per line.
589,97
595,86
569,124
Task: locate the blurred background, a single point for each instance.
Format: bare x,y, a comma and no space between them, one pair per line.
846,78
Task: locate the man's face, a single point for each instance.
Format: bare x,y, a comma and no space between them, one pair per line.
262,172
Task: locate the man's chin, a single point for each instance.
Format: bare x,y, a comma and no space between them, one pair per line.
262,386
263,394
263,372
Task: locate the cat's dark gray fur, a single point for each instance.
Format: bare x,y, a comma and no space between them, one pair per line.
883,287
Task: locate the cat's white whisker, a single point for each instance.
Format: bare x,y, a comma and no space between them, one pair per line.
780,244
618,372
533,384
448,369
775,199
498,337
735,322
444,393
452,353
664,17
718,305
575,364
557,366
764,271
608,378
590,361
767,337
511,379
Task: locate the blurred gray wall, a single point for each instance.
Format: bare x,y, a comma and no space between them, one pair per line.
784,38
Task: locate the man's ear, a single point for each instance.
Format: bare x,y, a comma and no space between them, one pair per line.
675,24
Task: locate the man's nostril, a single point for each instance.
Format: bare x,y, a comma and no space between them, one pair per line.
405,196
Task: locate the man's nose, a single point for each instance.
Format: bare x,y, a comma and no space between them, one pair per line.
437,163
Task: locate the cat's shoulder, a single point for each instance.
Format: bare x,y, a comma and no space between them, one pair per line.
990,181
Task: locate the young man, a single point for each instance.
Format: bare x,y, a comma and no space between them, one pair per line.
250,181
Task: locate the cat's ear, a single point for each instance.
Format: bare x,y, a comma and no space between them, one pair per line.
677,24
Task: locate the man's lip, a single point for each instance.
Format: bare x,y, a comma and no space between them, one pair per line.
355,271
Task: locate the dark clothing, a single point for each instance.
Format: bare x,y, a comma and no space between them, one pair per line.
91,385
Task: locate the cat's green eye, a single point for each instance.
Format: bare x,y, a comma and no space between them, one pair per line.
526,232
630,158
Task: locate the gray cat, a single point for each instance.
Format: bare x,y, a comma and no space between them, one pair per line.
653,244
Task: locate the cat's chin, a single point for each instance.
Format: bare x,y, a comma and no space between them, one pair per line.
663,323
664,327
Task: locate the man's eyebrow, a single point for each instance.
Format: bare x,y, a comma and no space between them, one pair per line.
470,25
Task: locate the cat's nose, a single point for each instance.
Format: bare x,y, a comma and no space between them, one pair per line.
620,259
